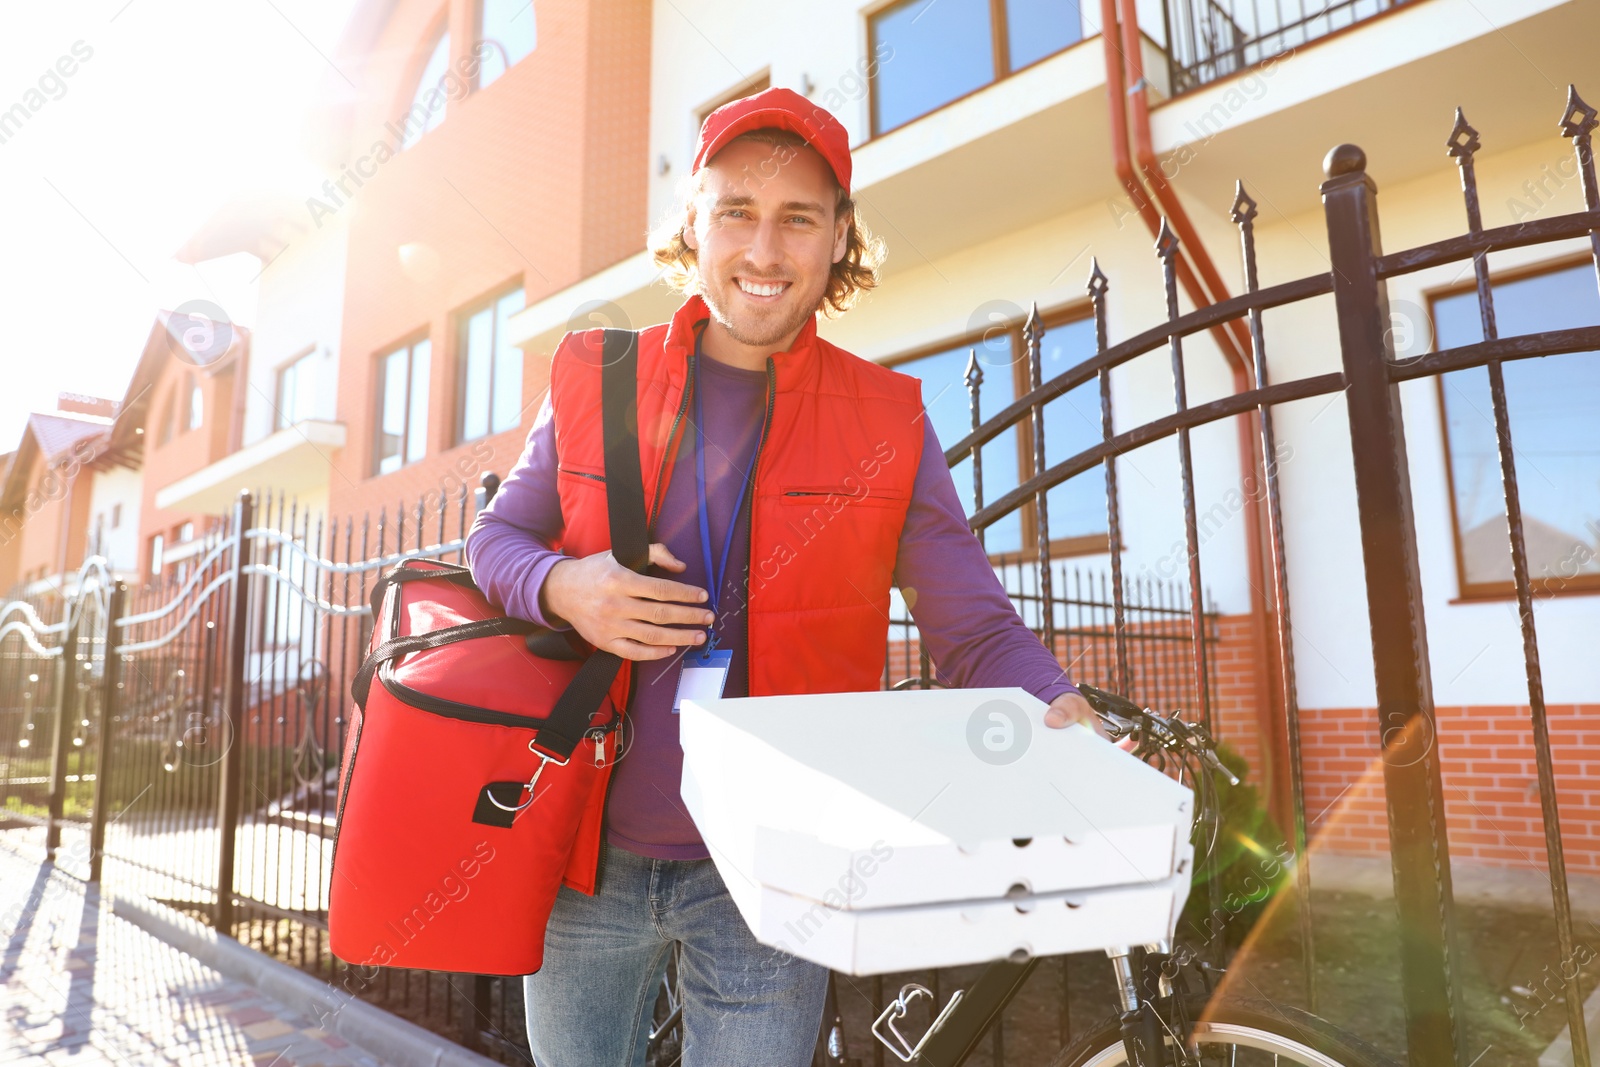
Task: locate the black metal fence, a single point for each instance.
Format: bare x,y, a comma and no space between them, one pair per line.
1211,39
1369,380
1158,643
204,750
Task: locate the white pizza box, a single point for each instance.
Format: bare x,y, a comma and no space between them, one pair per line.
894,799
888,940
892,940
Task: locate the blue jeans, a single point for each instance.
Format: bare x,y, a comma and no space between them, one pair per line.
590,1004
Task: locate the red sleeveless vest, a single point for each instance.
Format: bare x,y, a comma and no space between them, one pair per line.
835,466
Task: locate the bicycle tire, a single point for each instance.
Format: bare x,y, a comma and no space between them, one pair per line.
1250,1024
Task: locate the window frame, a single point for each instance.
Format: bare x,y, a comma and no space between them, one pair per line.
461,318
478,85
193,396
1060,547
437,28
380,382
1467,591
1000,59
167,424
755,83
284,369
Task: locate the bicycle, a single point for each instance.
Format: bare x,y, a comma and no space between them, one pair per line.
1166,1018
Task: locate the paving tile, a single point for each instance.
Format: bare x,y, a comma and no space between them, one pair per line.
271,1028
80,987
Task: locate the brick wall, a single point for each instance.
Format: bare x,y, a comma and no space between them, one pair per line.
1235,663
168,459
538,180
1490,782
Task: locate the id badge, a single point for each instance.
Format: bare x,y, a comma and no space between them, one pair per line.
703,676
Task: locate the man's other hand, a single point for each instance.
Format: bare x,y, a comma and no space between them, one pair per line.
1069,708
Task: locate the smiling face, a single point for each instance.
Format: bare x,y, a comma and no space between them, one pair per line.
766,235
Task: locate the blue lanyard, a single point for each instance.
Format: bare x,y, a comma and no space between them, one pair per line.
715,576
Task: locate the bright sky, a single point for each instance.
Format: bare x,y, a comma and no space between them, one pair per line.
180,106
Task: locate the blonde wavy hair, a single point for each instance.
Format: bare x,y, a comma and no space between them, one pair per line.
855,274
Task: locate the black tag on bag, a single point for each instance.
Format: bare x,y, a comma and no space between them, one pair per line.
509,795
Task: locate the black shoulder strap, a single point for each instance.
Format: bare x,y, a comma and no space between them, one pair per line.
570,719
619,398
630,544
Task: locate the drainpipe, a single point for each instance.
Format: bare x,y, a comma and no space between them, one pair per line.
1231,338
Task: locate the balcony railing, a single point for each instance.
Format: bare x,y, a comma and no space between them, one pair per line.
1211,39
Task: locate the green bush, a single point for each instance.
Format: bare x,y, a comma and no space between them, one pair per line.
1250,862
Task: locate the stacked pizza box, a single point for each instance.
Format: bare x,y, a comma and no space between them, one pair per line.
891,831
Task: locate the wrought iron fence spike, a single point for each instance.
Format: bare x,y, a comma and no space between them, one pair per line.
1098,282
1463,141
974,374
1579,118
1166,240
1244,208
1031,326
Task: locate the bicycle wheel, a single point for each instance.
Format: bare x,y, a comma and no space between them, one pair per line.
1241,1034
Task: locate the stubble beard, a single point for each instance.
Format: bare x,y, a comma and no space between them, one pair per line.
760,331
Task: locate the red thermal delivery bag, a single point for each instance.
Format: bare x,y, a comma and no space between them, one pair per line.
470,759
443,859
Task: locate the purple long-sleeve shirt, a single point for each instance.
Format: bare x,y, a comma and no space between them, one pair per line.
972,632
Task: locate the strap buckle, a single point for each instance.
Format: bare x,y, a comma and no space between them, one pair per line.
545,759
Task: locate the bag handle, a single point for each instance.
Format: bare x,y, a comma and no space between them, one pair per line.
625,511
394,648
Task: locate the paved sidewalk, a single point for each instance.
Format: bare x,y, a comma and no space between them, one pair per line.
81,987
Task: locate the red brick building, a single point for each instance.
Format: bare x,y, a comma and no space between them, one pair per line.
182,412
522,187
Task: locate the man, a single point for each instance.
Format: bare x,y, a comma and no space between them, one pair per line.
789,484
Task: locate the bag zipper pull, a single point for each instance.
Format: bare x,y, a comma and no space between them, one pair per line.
599,738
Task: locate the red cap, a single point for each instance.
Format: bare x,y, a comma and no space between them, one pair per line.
786,110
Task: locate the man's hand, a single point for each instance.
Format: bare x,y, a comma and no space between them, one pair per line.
1069,708
633,615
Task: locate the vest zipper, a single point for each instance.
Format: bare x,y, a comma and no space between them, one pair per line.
749,536
581,474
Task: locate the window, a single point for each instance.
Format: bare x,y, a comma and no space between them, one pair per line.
402,406
1554,405
196,406
168,425
750,87
157,542
490,383
933,51
509,30
1077,508
186,533
428,102
296,390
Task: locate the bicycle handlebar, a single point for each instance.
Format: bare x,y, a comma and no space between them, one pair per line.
1153,732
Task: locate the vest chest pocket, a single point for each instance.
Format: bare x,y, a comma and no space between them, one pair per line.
581,476
840,497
